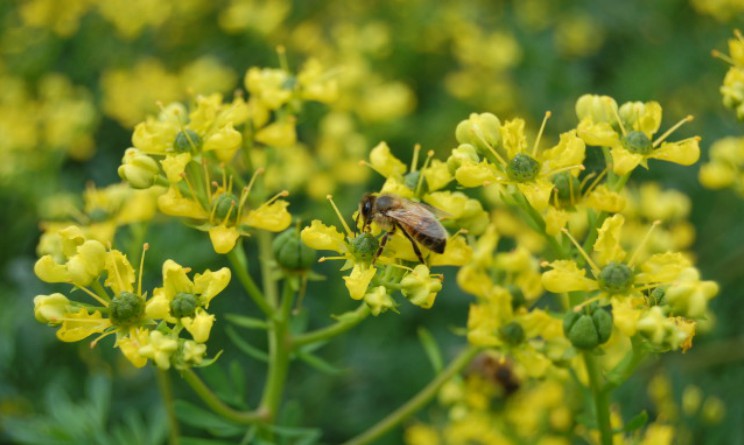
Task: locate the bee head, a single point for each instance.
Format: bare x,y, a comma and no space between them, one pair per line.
366,207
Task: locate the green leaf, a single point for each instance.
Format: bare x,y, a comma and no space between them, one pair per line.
200,418
318,363
247,322
638,421
201,441
246,347
432,349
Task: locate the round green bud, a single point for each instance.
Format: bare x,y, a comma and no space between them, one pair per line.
586,331
411,179
567,189
657,296
522,168
187,140
512,333
615,278
98,215
483,131
126,309
364,246
518,299
184,305
291,253
603,322
225,204
637,142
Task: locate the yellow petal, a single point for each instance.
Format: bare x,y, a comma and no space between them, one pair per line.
623,161
570,151
598,134
457,252
158,307
437,175
223,238
175,165
49,271
81,324
686,152
476,175
120,276
174,204
716,175
273,217
278,134
131,344
358,281
565,276
199,326
211,283
225,142
321,237
175,279
537,193
607,247
385,163
644,117
605,200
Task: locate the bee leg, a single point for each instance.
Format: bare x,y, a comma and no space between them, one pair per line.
383,241
416,250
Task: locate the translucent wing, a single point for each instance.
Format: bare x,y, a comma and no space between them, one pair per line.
417,218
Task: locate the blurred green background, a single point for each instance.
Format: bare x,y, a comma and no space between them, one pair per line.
433,63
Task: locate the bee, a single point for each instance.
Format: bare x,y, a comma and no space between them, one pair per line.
417,221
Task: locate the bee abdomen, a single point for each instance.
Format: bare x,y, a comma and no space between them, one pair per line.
434,244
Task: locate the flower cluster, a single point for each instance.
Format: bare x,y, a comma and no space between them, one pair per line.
147,327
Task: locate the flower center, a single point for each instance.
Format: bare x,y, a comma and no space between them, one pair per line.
637,142
615,278
522,168
566,190
126,309
512,333
187,140
183,305
364,246
225,204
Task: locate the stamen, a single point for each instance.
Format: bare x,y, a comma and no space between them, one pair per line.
145,248
595,268
414,161
594,183
281,51
581,305
340,217
207,180
247,190
189,186
644,241
666,134
564,169
94,295
323,259
420,182
400,266
617,116
94,343
540,133
719,55
282,194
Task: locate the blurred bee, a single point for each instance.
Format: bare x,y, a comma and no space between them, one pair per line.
417,221
497,370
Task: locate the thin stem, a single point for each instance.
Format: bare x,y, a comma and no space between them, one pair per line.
217,405
627,365
538,223
279,350
266,260
601,398
166,392
343,324
239,264
418,401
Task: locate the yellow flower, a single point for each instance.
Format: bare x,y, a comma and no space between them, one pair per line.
271,216
278,134
383,161
420,288
199,325
75,259
321,237
159,349
359,279
269,86
52,308
193,352
379,300
138,169
131,344
81,324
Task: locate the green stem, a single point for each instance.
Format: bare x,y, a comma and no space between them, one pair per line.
279,350
538,223
343,324
418,401
627,365
217,405
266,259
239,264
166,391
601,398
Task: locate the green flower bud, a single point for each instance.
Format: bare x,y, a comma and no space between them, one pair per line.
598,108
98,215
657,296
483,131
588,331
225,204
522,168
464,153
126,309
183,305
187,140
567,189
291,253
637,142
518,299
411,180
616,278
138,169
364,246
512,333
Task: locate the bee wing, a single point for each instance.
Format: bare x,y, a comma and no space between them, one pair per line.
419,218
